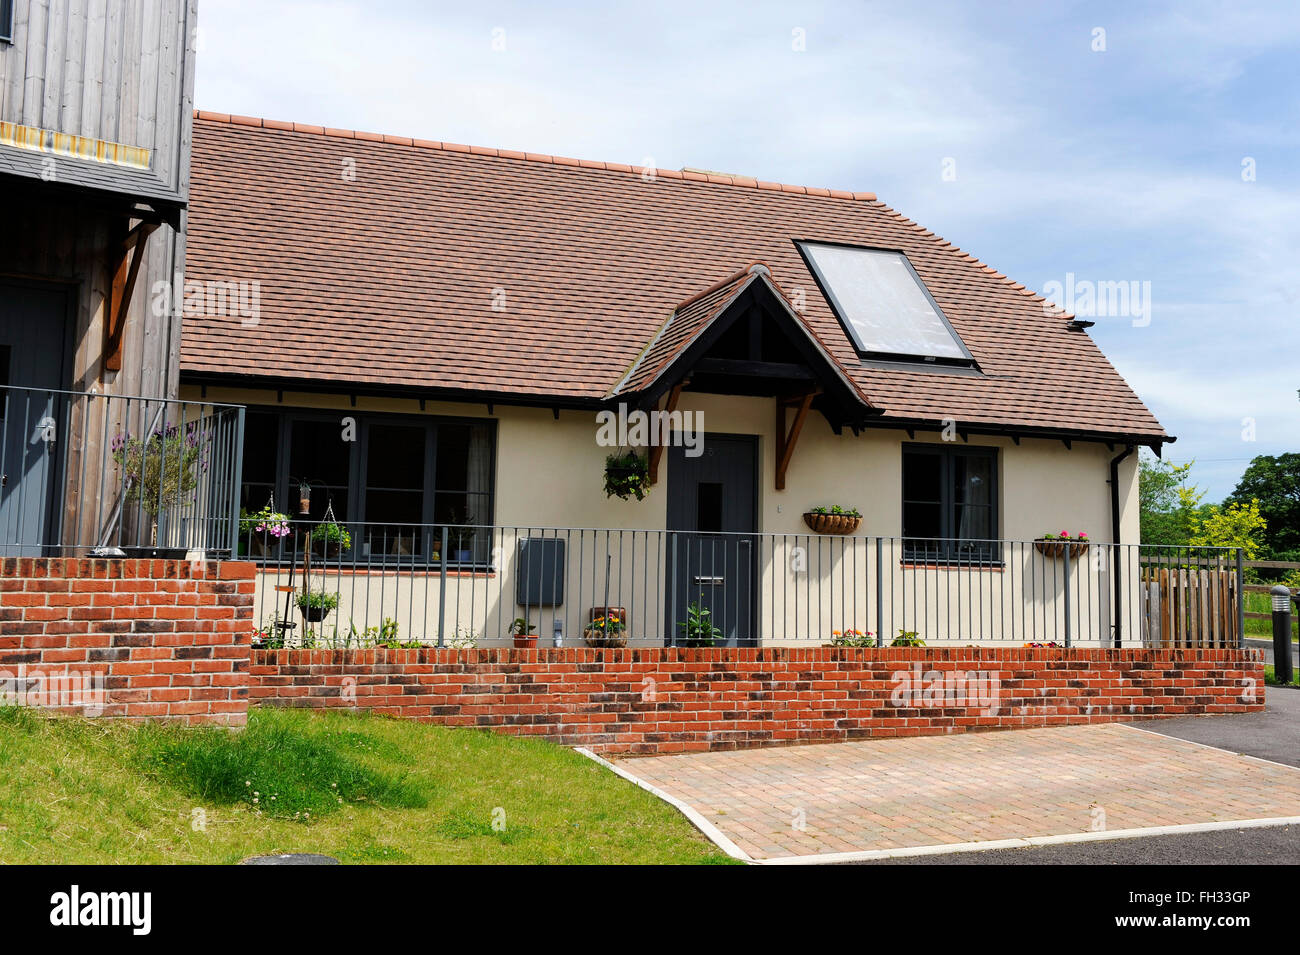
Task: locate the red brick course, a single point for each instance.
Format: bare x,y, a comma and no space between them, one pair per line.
169,639
674,700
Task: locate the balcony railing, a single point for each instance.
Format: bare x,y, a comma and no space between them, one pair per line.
450,585
85,473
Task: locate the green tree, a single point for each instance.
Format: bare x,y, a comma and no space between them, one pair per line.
1275,483
1166,501
1233,525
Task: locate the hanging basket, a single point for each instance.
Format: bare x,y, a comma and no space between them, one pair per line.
832,523
627,476
324,546
1057,548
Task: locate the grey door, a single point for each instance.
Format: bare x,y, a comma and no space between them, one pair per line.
711,546
33,322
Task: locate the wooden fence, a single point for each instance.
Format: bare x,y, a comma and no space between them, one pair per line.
1190,607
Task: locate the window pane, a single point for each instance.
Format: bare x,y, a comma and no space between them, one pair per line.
922,477
972,479
708,507
464,457
319,455
974,522
882,301
261,460
394,507
394,459
922,520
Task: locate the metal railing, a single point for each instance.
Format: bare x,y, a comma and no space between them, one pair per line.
417,584
86,473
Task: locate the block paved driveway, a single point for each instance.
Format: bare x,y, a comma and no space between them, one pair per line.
940,790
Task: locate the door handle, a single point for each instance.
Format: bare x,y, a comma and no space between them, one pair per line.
709,580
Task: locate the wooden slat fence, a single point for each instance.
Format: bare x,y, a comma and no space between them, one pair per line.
1189,607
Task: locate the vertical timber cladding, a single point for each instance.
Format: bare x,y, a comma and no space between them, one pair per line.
121,72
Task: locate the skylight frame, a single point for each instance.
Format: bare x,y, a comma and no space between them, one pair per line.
967,360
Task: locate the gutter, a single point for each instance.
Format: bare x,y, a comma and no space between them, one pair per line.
1115,462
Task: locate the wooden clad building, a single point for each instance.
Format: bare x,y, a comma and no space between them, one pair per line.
96,100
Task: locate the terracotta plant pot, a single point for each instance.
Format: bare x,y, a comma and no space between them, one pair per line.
525,641
832,523
1056,548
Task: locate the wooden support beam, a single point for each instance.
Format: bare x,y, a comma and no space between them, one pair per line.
754,369
657,451
786,440
125,267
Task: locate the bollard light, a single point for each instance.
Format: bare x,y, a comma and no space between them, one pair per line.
1281,599
558,639
1282,634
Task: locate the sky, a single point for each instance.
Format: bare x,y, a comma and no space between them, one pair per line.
1065,144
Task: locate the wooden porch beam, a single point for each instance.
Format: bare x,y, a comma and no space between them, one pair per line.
657,451
786,440
125,266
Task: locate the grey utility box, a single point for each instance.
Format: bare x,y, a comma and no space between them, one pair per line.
540,572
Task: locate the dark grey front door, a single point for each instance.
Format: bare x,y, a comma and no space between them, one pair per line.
711,547
33,322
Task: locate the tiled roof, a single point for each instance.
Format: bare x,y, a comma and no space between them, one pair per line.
393,263
688,319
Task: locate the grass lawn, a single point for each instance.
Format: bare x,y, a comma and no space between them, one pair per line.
361,788
1270,676
1263,603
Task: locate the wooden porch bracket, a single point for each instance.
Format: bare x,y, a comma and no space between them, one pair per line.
657,451
786,440
125,266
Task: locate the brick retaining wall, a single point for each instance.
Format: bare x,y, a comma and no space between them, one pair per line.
128,638
671,700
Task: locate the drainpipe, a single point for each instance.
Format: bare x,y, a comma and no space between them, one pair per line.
1115,539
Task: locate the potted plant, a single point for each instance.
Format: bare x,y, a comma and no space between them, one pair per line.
258,530
1055,545
607,630
159,473
907,638
627,475
330,539
524,633
316,605
833,520
852,638
460,534
698,629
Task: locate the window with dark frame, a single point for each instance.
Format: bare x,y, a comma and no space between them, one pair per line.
392,480
7,20
950,504
884,307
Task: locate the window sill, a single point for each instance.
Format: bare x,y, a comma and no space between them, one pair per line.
378,570
992,566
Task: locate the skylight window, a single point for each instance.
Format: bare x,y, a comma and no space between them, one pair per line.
882,304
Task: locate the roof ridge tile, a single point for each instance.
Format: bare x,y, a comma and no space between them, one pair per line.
720,179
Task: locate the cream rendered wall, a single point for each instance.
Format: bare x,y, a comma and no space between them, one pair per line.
550,474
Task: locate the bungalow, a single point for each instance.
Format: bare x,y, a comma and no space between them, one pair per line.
443,335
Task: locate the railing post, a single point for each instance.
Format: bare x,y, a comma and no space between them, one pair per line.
1066,553
880,592
238,475
1241,598
442,588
